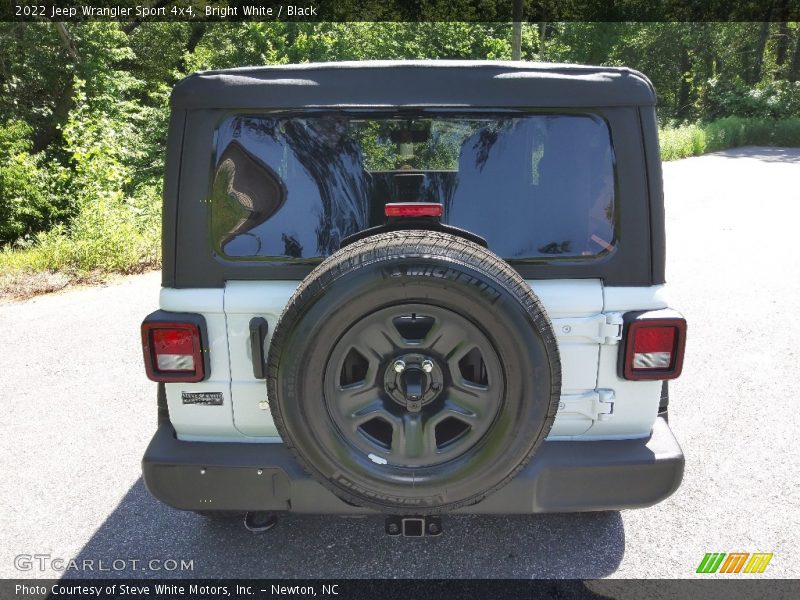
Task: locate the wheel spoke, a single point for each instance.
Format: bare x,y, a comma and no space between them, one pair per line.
448,339
455,369
471,400
459,410
353,399
379,339
413,437
368,412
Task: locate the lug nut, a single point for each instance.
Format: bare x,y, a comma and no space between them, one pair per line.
399,366
427,366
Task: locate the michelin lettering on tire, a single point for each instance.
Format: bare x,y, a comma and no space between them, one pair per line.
441,272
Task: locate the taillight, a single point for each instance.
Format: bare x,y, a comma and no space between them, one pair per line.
173,349
413,209
654,345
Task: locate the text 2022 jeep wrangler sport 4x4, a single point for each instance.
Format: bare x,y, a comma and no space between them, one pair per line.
413,288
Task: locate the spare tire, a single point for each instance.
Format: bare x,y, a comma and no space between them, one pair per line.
414,372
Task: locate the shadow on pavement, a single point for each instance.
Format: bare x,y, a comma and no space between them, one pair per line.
763,153
587,545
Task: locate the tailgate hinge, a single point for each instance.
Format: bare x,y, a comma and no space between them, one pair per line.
601,328
611,330
597,405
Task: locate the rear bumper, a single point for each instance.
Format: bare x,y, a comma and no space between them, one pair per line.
562,477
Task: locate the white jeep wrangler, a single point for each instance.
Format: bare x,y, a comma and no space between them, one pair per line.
413,288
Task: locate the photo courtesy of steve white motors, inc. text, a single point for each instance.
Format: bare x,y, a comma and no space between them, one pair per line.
171,590
111,11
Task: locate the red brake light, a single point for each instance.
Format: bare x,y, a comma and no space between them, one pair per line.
654,347
413,209
172,351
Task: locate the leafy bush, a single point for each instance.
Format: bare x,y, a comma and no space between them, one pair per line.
111,231
734,131
730,132
772,100
682,141
107,236
787,133
29,201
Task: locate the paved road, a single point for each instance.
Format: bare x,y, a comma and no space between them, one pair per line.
77,413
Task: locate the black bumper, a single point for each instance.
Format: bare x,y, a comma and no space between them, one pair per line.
562,477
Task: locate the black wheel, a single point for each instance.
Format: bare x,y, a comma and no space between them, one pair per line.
414,372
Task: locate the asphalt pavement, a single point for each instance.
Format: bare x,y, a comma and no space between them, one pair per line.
78,412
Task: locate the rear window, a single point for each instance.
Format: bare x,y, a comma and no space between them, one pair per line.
291,187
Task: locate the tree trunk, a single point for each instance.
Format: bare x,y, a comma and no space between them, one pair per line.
682,111
758,62
516,32
66,40
782,41
542,40
782,44
50,132
195,35
794,69
710,55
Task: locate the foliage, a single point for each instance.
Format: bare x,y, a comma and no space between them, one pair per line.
85,105
682,141
110,231
91,200
29,201
774,99
107,237
693,64
730,132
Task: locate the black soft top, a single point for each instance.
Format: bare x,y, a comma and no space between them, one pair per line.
453,83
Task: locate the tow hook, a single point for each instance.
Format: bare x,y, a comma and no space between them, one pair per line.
409,526
260,521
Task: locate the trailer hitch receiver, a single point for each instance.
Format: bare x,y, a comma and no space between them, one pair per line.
412,526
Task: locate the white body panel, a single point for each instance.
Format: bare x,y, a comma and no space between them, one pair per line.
243,301
595,402
215,422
